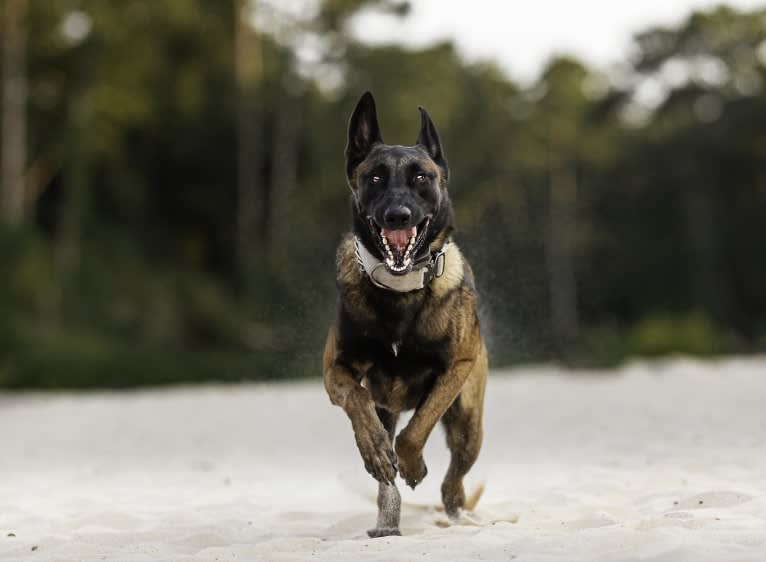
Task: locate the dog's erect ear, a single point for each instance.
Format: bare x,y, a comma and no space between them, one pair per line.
429,139
363,133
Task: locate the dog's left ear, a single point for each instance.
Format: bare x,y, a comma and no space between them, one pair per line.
429,139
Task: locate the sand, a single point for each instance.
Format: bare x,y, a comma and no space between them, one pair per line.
655,461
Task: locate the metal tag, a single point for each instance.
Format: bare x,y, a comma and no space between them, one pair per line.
439,264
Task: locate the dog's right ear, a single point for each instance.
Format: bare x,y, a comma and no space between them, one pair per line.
363,133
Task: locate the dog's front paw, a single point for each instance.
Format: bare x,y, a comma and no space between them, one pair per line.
377,453
413,471
412,467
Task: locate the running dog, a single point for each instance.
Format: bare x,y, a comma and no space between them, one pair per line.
406,335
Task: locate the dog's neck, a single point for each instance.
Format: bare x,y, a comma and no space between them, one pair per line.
418,278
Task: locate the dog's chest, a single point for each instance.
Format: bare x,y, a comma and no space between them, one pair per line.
394,345
402,388
400,380
401,322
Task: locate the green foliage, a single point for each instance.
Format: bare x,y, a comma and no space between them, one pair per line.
129,269
28,283
663,333
56,358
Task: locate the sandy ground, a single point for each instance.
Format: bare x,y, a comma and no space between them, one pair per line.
661,462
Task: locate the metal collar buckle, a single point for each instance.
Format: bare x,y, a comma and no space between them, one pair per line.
439,261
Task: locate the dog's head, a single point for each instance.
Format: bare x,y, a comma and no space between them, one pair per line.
400,192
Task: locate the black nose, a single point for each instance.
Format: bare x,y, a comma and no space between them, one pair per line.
397,217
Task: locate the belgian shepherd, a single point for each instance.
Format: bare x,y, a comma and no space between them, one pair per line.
406,335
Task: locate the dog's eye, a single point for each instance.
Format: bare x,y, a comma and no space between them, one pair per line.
376,179
421,178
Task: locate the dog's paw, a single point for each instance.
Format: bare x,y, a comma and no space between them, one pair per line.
378,532
378,455
413,471
453,497
412,467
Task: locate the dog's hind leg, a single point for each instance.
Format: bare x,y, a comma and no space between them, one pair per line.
462,422
389,500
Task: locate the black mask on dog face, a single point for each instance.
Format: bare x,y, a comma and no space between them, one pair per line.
399,191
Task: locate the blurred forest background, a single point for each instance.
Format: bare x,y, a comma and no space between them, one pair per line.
172,189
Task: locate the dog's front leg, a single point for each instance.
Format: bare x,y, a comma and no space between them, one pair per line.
412,439
372,439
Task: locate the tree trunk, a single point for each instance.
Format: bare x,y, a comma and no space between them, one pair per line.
560,255
249,158
701,223
68,249
283,176
14,133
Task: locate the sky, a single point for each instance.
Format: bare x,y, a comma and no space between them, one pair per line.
522,35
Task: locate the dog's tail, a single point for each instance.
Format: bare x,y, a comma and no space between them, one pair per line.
470,502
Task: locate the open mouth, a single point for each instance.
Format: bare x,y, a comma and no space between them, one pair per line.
400,246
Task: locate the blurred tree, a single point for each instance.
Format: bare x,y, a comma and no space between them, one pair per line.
186,192
249,153
563,107
711,73
14,102
557,152
334,14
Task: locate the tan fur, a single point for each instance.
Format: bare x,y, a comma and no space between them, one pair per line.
390,351
447,312
453,272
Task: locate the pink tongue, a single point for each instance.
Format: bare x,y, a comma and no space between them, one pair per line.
399,238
